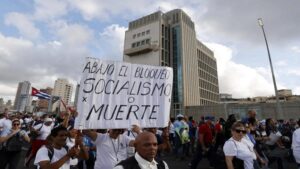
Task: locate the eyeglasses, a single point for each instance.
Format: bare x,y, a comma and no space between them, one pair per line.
239,131
16,124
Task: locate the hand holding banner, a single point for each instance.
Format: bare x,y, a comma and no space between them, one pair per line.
118,94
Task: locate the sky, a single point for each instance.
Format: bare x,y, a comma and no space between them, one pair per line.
42,40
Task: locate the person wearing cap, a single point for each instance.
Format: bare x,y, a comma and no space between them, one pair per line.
11,145
178,125
111,146
43,130
205,142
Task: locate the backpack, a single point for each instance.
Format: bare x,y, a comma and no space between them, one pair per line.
14,143
35,133
51,151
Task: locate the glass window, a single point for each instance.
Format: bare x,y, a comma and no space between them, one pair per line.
133,45
138,44
147,41
139,34
143,33
143,42
134,36
147,32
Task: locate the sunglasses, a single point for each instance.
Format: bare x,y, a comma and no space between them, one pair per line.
240,131
16,124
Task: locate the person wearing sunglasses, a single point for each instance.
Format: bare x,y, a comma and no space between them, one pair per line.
11,145
238,154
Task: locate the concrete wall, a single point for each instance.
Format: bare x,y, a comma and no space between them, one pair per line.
264,110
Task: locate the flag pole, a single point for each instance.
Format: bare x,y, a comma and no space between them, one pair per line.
50,105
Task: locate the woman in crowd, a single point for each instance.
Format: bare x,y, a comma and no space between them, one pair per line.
238,154
12,141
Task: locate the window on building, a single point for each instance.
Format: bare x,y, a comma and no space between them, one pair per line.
143,33
133,45
143,42
147,41
138,44
148,32
134,36
139,34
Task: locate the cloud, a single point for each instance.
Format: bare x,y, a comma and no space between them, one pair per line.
49,9
236,20
40,64
23,24
296,91
111,41
237,79
57,35
106,10
74,34
295,72
295,49
281,63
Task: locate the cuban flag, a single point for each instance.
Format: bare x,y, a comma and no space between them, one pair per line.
39,94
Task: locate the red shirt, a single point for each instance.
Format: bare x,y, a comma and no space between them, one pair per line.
207,133
218,128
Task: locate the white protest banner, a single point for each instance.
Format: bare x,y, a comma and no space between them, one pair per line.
118,94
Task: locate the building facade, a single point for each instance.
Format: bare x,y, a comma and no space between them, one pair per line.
76,95
169,39
23,98
43,103
63,89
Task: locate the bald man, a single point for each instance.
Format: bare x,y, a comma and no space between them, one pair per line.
144,158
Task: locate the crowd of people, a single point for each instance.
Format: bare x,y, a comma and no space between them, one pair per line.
234,144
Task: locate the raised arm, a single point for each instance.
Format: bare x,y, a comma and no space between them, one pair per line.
91,134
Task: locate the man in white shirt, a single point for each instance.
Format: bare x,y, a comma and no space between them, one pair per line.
144,158
111,147
60,154
5,122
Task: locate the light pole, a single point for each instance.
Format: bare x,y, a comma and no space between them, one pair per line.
278,108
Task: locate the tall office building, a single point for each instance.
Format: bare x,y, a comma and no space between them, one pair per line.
169,39
76,95
63,89
23,98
